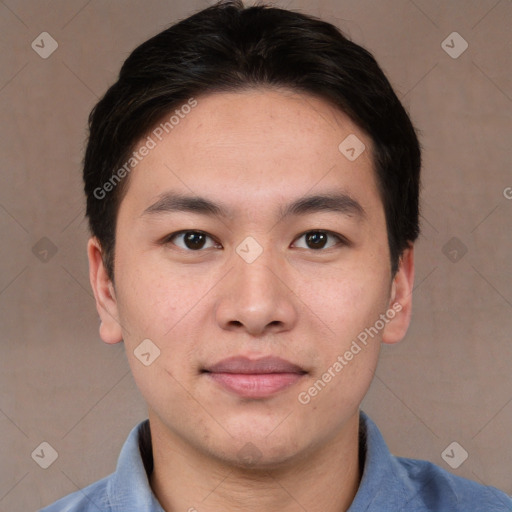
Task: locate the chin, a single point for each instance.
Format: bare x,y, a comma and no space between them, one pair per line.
261,451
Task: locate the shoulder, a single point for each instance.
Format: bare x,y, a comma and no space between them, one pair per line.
89,499
127,489
399,484
440,490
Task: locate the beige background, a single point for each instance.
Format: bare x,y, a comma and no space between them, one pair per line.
449,380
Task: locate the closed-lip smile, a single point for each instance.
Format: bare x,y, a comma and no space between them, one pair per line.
254,378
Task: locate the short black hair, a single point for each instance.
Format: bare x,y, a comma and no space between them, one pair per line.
229,47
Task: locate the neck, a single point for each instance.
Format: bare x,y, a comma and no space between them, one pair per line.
324,478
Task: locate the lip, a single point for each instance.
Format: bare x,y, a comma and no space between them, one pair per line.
241,364
254,378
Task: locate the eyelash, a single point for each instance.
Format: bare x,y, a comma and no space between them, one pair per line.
342,241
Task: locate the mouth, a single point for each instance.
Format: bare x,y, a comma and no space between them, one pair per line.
254,378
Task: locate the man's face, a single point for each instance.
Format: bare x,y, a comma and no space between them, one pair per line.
258,283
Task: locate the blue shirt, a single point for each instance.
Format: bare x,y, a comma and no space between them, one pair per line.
388,484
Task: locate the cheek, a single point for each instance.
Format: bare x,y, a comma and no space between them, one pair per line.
348,305
344,302
161,304
150,299
148,306
154,307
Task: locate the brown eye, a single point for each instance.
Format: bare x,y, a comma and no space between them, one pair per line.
191,240
318,239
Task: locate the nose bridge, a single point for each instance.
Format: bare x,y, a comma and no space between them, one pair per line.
256,296
255,272
259,276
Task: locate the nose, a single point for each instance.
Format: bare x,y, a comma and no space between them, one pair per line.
257,297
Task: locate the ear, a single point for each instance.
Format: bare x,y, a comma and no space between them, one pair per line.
104,293
400,299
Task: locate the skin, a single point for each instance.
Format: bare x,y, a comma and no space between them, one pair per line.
254,151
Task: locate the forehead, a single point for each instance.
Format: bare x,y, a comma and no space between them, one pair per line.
254,145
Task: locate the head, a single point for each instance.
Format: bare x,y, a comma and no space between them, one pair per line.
252,109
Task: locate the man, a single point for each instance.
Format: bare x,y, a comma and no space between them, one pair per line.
252,189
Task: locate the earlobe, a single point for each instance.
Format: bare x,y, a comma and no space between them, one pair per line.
401,299
104,293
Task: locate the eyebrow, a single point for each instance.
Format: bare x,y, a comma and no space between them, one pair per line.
342,203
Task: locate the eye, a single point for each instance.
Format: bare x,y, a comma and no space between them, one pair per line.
317,239
192,240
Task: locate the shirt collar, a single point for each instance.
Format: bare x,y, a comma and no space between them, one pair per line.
129,489
380,472
394,483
